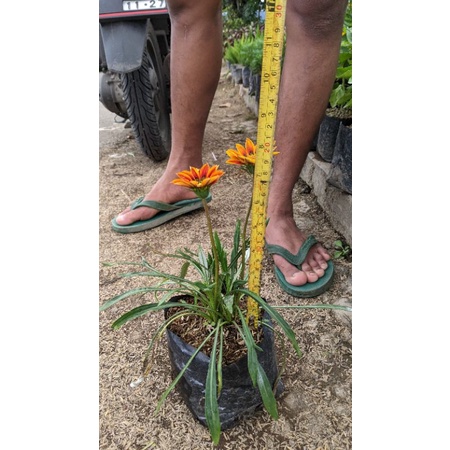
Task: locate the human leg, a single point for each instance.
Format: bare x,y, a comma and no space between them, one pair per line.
196,43
313,35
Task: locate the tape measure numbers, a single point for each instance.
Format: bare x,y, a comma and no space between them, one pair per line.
265,141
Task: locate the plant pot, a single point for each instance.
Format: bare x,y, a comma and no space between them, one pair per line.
236,73
238,398
251,84
340,174
326,138
254,85
246,73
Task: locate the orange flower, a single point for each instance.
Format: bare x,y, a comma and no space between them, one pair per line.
244,156
199,180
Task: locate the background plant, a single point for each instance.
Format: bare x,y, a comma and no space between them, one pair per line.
342,250
241,19
341,95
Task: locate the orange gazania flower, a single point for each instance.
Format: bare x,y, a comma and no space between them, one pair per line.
199,180
244,156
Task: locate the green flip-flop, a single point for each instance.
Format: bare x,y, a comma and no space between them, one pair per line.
308,289
168,212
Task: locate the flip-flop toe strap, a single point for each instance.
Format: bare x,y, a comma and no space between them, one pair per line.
298,259
160,206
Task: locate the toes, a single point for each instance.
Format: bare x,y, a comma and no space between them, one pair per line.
315,263
320,261
128,217
291,273
297,278
318,258
322,253
312,269
313,272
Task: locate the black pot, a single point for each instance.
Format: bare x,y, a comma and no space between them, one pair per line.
340,174
238,398
246,73
255,86
236,73
326,138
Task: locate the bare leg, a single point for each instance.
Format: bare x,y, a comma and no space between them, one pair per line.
196,58
313,32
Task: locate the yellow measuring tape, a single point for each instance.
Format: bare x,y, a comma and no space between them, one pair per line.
265,141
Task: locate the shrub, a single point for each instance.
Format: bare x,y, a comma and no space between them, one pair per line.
341,95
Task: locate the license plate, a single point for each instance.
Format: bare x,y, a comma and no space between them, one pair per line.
144,4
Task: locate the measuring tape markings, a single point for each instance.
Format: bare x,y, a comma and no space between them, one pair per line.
268,102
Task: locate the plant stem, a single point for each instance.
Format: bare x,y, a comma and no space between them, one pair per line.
216,257
244,236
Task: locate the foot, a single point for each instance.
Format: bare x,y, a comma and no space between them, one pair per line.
162,191
284,232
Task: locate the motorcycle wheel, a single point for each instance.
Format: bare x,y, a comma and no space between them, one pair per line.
146,98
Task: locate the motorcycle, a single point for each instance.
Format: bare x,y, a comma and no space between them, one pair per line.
134,73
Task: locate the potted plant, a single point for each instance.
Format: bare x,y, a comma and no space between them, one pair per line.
255,65
339,112
340,174
233,54
222,355
244,56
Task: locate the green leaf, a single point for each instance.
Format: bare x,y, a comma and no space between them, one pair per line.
145,309
349,34
275,315
124,295
157,337
219,365
228,300
257,373
211,403
344,73
252,358
184,269
266,392
344,56
319,306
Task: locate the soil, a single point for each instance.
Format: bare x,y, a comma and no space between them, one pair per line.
315,407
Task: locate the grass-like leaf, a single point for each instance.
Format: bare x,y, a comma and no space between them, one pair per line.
157,337
277,317
151,307
317,306
266,392
211,403
252,358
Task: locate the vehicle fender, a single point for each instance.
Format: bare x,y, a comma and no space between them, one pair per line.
123,44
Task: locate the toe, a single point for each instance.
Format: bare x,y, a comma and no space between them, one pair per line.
297,278
322,253
312,274
129,217
320,261
291,273
318,257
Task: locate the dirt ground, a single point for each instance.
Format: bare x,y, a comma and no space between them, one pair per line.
315,408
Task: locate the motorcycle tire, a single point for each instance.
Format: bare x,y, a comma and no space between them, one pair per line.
145,93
